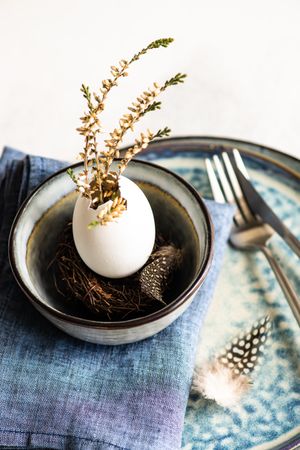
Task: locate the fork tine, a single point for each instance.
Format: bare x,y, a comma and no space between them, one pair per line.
232,176
240,163
224,182
214,183
222,185
238,218
241,202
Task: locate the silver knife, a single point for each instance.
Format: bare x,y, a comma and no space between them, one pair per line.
260,207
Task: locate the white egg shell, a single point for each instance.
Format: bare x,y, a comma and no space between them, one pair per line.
119,248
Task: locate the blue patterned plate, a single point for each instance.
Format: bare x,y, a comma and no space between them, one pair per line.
269,415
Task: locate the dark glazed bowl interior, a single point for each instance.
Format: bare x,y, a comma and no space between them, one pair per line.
180,217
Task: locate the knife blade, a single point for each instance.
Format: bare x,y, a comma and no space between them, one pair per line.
260,207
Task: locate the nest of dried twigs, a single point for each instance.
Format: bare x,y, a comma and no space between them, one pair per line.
115,299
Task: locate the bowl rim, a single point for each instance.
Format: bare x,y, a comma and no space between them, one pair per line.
130,323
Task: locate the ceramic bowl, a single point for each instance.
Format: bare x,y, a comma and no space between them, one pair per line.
180,215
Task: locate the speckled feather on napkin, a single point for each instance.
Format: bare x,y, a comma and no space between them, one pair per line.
59,392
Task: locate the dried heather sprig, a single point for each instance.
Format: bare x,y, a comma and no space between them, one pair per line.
141,143
96,181
144,103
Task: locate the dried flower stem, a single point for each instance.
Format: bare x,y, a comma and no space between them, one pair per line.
143,104
141,144
96,181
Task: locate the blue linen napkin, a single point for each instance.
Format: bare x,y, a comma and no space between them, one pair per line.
62,393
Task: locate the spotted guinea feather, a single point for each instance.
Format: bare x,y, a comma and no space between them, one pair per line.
156,275
243,354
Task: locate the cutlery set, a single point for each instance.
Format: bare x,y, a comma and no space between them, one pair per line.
254,221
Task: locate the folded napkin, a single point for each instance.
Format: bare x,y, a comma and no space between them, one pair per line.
63,393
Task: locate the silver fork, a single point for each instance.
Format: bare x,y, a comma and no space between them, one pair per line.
248,232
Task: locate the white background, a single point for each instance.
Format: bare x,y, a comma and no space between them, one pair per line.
241,57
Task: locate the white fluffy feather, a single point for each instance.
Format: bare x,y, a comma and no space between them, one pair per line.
219,383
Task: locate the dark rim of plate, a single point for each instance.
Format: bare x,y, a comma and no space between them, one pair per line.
174,305
194,141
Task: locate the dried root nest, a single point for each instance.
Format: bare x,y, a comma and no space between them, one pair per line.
134,296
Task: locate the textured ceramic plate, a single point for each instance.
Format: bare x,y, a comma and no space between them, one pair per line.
269,416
